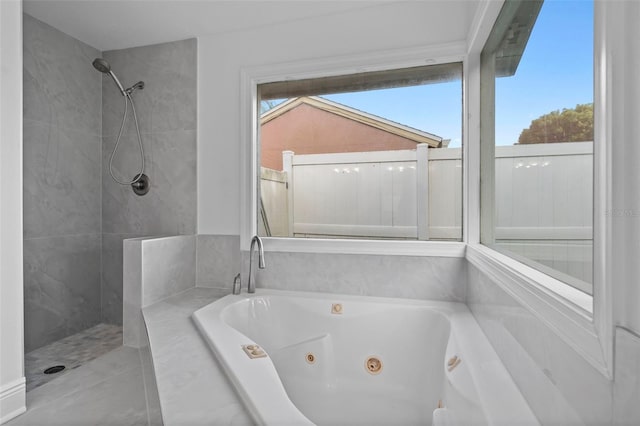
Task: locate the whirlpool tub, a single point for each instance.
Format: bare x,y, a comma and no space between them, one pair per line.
326,359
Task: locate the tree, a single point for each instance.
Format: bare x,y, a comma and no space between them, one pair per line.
568,125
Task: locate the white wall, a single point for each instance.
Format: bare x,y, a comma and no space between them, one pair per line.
221,57
12,383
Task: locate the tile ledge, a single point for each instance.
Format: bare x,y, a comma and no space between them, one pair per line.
161,351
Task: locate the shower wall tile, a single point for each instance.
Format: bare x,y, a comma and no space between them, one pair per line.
132,321
61,87
413,277
218,260
169,267
169,207
62,103
560,386
62,282
111,288
168,101
154,269
62,180
626,389
166,111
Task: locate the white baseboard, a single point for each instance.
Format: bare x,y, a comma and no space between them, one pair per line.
12,400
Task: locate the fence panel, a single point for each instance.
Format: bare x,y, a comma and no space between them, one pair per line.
445,194
273,221
376,199
543,199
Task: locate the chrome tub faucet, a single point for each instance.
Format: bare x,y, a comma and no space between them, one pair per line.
251,286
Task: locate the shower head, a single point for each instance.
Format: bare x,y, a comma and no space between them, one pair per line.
104,67
101,65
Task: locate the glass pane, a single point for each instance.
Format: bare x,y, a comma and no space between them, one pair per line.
538,63
370,155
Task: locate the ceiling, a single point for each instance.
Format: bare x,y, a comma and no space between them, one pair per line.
114,24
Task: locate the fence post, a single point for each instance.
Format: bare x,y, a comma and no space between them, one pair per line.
287,167
422,187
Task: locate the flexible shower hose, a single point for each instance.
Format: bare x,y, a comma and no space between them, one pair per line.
127,98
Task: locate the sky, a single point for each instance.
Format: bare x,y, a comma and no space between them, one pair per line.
555,72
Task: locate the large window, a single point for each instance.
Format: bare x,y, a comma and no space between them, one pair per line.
537,138
374,155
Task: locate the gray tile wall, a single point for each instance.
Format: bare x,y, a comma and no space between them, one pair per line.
411,277
154,269
166,110
76,216
437,278
217,260
626,388
560,386
169,267
62,184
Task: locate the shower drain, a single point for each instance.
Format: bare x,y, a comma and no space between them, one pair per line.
55,369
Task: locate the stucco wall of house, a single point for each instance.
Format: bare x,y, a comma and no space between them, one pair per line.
306,129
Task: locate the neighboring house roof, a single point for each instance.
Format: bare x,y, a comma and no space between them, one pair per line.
407,132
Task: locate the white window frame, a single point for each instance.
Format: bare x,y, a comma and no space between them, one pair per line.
379,61
583,322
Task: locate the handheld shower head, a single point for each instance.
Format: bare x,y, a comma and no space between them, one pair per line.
101,65
104,67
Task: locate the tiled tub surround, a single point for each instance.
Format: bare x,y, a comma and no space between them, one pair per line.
192,387
626,388
154,269
62,197
166,110
561,387
160,296
218,260
412,277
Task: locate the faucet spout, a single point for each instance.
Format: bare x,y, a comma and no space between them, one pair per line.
251,286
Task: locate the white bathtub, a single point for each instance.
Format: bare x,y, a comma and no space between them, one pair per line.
376,361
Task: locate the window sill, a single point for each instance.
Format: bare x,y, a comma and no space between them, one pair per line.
566,311
373,247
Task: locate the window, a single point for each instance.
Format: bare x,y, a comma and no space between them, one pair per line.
371,155
537,138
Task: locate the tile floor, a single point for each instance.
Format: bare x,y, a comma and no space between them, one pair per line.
72,352
110,390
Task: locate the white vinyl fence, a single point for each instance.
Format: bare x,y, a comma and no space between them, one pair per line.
366,195
544,206
543,192
543,199
274,212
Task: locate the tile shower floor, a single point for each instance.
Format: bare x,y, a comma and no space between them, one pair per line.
108,391
72,352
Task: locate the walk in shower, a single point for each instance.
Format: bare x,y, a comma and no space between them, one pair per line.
75,214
